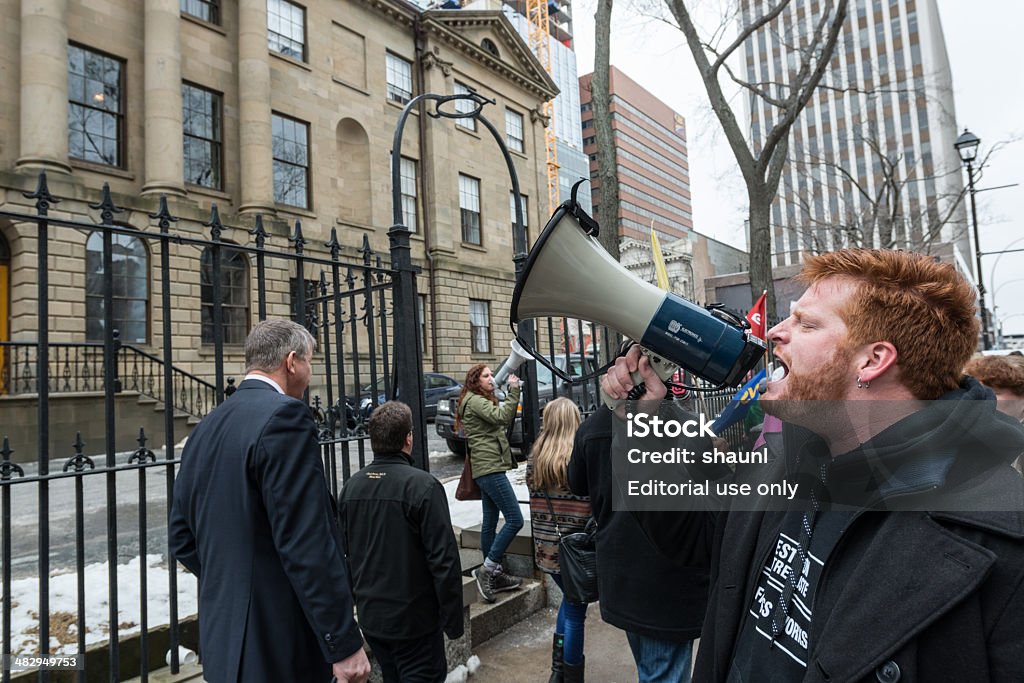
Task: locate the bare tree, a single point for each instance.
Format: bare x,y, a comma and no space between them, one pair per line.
762,165
600,100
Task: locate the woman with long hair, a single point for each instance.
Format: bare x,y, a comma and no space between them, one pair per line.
490,456
555,511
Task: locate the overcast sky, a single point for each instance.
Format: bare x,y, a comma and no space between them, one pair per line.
983,41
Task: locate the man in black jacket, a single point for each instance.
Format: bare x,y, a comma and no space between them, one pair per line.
659,603
402,556
917,574
252,518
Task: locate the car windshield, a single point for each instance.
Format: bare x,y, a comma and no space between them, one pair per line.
544,375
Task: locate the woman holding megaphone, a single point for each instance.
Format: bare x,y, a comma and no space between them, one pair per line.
485,422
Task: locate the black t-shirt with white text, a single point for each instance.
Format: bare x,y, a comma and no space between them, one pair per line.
759,657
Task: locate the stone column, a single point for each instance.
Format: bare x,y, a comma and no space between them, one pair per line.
254,108
44,86
163,115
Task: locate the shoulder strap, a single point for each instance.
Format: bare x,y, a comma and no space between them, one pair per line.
554,517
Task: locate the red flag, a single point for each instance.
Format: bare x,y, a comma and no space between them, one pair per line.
757,317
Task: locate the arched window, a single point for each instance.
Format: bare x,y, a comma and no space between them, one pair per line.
234,292
131,288
489,45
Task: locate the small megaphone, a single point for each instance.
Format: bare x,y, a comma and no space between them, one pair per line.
511,364
569,274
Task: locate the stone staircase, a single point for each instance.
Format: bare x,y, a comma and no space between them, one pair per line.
483,621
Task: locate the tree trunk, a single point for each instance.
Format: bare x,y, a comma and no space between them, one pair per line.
760,236
600,100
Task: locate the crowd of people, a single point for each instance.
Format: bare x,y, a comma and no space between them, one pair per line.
918,578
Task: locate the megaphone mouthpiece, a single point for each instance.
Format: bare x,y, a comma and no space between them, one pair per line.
511,364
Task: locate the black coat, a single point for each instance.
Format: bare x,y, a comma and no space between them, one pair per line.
253,519
642,591
401,551
922,596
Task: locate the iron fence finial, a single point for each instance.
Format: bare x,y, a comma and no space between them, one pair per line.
214,224
44,200
366,250
106,206
259,231
333,245
163,215
297,238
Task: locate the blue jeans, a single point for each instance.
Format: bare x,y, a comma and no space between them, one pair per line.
660,661
497,496
571,616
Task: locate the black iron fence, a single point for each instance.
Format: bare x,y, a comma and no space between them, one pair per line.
91,503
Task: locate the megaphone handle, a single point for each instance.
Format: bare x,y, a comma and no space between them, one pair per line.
662,368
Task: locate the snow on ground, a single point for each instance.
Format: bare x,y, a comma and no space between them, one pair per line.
64,604
469,513
64,591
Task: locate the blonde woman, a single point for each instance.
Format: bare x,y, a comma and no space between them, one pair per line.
546,475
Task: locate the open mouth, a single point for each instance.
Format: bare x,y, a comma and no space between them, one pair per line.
778,371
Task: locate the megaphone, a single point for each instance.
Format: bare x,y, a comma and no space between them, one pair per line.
569,274
511,364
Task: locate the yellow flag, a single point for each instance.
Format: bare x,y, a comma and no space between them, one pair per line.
660,274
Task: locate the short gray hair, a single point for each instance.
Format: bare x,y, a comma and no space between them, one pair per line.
270,342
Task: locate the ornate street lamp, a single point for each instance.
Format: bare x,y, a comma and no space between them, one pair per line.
967,147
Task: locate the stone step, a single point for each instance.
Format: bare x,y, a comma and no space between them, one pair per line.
522,544
489,619
188,672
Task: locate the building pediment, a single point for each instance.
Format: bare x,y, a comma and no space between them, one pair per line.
478,34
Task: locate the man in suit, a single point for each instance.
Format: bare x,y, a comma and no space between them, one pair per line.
253,520
401,552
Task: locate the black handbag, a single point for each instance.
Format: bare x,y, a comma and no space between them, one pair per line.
577,560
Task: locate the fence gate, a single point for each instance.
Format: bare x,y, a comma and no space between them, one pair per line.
84,487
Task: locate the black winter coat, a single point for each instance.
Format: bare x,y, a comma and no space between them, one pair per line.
642,591
401,551
923,596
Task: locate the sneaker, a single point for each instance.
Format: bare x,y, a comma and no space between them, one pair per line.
484,582
500,581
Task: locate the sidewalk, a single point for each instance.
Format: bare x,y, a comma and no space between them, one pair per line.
522,654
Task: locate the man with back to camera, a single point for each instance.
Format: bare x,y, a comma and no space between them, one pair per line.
402,556
934,592
252,518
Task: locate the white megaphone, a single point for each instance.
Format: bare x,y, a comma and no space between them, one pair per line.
511,364
569,274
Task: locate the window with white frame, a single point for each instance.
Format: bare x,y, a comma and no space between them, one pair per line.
480,325
512,214
464,106
421,318
469,208
407,170
286,28
514,130
399,78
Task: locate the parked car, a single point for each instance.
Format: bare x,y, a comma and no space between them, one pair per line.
586,396
435,385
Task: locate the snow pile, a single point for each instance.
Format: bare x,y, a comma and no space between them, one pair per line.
463,671
469,513
64,604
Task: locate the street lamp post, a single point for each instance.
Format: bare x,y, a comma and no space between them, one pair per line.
967,147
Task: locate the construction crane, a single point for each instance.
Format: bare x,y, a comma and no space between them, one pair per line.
538,17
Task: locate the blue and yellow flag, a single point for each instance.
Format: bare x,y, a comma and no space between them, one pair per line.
739,405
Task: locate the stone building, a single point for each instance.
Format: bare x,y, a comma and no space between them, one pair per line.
265,107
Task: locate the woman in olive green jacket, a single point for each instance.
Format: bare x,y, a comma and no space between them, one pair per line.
490,456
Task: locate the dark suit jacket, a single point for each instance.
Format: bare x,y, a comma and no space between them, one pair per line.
252,518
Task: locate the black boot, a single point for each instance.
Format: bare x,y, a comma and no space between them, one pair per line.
556,658
573,673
